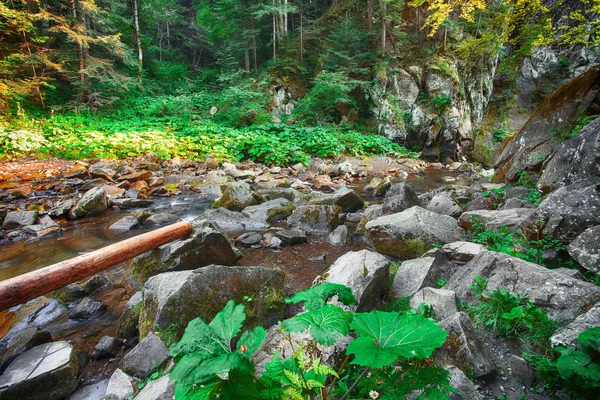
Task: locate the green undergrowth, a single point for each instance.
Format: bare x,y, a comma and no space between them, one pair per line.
84,137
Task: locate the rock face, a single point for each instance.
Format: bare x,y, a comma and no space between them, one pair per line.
415,274
319,220
570,210
408,234
586,249
561,295
269,211
365,272
576,159
147,356
346,199
178,297
46,372
443,302
400,197
514,219
237,196
539,138
465,388
567,335
19,219
93,202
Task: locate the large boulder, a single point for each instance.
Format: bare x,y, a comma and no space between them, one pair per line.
514,219
46,372
346,199
120,386
365,272
444,204
586,249
441,301
416,274
567,335
400,197
232,221
147,356
237,196
319,220
269,211
93,202
408,234
576,159
160,389
562,296
570,210
22,341
19,219
178,297
128,322
462,252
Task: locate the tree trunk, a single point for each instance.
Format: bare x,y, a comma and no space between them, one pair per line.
136,32
285,22
383,26
79,45
369,14
301,35
274,33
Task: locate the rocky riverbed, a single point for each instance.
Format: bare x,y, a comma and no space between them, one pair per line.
263,233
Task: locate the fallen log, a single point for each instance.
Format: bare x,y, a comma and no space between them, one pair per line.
23,288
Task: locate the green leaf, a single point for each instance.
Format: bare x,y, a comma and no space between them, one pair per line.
326,324
317,296
196,338
589,340
385,336
578,367
252,340
228,322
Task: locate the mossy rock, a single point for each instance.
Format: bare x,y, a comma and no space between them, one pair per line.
237,196
69,294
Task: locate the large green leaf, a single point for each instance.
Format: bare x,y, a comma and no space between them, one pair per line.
317,296
252,340
385,336
579,368
197,338
589,340
228,322
326,324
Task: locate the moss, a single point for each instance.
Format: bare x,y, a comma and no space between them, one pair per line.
142,268
406,250
69,293
147,315
278,213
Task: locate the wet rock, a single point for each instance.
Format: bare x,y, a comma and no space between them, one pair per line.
408,234
232,221
128,322
319,220
94,391
443,302
378,186
462,347
62,207
562,296
269,211
38,317
292,236
88,308
400,197
160,389
462,252
93,202
22,341
586,249
162,219
45,226
514,219
365,272
465,388
105,348
140,215
178,297
570,210
145,357
124,224
95,283
249,239
567,335
340,236
444,204
237,196
413,275
46,372
346,199
120,385
69,293
19,219
128,203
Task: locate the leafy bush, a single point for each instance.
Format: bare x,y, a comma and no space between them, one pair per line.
213,360
441,102
500,134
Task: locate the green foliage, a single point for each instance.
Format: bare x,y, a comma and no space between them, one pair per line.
441,102
326,324
580,366
318,296
169,334
500,134
580,123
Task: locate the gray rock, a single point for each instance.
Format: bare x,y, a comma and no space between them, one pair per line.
178,297
465,388
339,236
373,212
128,322
318,220
160,389
105,348
232,221
95,283
271,241
127,203
514,219
162,219
570,210
400,197
62,207
413,275
88,308
586,249
218,176
237,196
365,272
20,342
125,224
346,199
410,233
19,219
560,295
94,391
45,226
444,204
292,236
269,211
69,293
521,371
443,302
145,357
567,335
462,347
576,159
37,317
93,202
378,186
120,385
46,372
462,252
573,273
516,203
249,239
